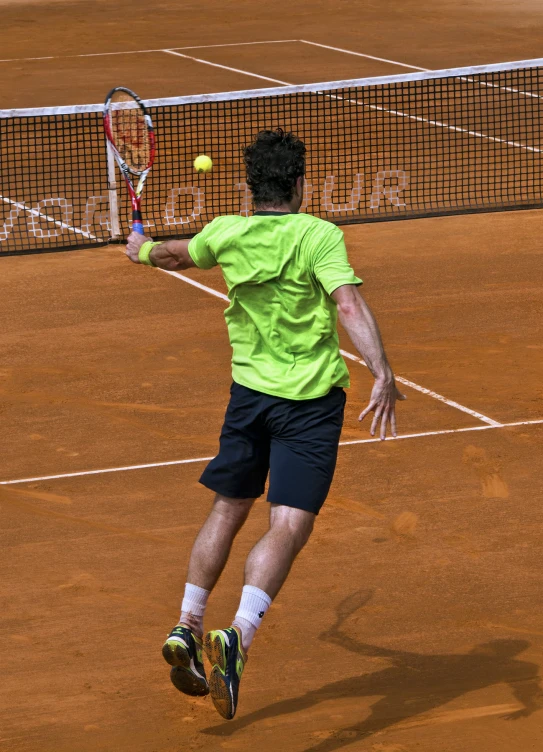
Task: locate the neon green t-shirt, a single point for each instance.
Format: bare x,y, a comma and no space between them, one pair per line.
280,270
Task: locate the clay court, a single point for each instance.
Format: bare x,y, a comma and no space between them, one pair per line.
412,620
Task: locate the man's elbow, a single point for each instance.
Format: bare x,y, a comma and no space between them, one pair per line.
347,310
348,301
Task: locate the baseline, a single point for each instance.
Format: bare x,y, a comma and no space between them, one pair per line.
143,52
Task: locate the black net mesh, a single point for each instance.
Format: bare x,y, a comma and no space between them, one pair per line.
411,148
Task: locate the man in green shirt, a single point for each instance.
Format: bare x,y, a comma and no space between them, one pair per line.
288,280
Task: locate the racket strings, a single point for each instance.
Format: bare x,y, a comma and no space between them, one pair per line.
130,133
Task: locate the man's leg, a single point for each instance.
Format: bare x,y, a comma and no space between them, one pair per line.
183,647
303,438
209,556
266,569
268,565
269,562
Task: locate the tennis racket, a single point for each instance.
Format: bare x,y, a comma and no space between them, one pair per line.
130,132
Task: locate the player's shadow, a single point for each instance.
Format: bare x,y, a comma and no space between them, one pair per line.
411,685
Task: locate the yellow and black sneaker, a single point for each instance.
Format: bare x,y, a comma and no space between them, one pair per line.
225,652
183,651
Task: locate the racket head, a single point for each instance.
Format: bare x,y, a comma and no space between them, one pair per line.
129,130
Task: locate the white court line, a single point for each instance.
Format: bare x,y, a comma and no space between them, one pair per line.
106,470
361,54
272,41
357,359
57,222
142,52
207,459
417,67
447,126
397,113
227,67
430,393
445,431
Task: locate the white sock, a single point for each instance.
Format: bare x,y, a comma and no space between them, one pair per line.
253,605
193,607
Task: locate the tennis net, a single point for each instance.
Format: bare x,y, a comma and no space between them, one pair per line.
396,147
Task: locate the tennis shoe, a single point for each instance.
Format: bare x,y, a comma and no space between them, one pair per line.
183,651
225,652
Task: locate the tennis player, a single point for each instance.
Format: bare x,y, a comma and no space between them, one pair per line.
288,281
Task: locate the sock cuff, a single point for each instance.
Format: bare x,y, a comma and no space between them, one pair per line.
194,600
253,605
196,592
258,593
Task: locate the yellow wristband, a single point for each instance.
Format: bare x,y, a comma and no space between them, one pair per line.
144,253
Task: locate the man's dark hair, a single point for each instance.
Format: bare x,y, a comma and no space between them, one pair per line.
274,162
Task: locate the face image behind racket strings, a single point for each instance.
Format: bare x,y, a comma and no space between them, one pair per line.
129,130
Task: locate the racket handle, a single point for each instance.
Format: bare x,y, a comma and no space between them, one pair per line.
137,223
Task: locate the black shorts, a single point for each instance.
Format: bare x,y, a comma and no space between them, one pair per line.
296,441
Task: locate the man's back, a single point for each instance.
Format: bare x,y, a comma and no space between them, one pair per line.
280,269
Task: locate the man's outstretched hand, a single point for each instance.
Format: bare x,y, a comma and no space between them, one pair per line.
383,404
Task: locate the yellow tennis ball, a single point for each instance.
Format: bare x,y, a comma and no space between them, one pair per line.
203,163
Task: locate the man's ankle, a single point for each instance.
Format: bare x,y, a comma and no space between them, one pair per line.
195,627
247,632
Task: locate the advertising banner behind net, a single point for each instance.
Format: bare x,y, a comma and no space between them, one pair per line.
397,147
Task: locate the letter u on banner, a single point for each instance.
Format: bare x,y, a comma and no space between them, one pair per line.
351,205
171,205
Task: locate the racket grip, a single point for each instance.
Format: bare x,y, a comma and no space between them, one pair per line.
137,223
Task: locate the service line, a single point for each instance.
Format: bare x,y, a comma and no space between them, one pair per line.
194,460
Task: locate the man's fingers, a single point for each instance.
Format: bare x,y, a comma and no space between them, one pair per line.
393,423
384,421
368,409
375,420
400,396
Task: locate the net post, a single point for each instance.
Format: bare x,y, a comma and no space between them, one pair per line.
113,203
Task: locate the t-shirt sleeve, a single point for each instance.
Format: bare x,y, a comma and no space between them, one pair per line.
200,252
330,264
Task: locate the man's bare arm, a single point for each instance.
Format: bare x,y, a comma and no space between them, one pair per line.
172,255
361,326
359,323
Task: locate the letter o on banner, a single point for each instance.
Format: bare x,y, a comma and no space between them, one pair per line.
171,205
37,215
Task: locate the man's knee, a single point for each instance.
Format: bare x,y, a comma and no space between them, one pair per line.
233,510
296,524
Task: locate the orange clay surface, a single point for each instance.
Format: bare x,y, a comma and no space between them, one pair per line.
412,620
